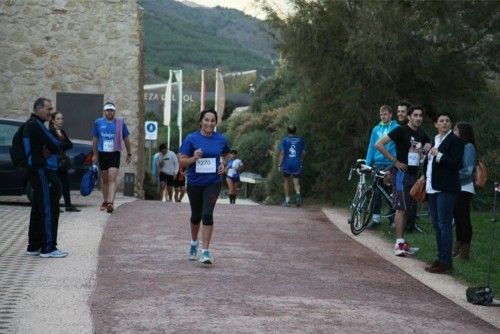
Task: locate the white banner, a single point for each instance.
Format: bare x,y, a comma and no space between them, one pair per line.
220,95
167,104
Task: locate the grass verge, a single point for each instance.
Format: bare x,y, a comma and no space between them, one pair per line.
473,272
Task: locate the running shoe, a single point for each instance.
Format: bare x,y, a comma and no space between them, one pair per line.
109,208
54,254
206,258
193,253
410,250
298,199
287,204
104,206
33,252
403,248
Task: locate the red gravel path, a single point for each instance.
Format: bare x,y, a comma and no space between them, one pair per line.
277,270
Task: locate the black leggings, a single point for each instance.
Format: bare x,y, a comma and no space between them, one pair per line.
202,200
64,178
461,213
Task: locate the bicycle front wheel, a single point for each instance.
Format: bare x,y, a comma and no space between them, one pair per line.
362,212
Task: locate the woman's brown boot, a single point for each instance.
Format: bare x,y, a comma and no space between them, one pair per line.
456,249
464,251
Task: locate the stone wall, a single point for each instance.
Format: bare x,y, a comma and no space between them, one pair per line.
80,46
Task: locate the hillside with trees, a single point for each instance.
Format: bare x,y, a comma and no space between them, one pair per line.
179,36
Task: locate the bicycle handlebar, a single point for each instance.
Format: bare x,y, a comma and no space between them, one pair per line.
361,168
372,170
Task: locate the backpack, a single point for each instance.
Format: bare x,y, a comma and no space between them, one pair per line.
17,154
480,175
89,180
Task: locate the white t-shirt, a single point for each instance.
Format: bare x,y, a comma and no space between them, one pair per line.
170,163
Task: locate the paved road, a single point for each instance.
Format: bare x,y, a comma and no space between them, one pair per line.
277,270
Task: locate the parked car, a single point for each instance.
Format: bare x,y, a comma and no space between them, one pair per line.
14,180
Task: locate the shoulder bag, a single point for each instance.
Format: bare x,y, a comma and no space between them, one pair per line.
417,192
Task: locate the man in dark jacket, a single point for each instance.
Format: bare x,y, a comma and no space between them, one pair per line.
41,148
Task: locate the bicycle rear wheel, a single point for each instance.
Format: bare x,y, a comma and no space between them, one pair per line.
362,212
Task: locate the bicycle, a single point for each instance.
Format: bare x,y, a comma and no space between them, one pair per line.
363,206
361,186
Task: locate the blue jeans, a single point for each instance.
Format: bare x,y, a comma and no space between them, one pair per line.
441,210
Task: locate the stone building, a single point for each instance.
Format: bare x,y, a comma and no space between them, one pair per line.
79,53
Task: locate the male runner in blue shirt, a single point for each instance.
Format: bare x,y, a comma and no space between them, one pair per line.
292,152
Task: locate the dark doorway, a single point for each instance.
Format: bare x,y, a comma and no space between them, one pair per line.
80,111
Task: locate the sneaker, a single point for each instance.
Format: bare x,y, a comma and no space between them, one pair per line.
193,253
298,199
287,204
206,258
109,208
54,254
410,250
72,209
33,253
403,248
376,219
104,206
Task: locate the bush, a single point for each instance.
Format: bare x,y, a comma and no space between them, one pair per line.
253,149
150,187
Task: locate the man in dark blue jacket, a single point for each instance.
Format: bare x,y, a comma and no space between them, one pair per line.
41,149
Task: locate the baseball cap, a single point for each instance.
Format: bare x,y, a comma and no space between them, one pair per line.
109,106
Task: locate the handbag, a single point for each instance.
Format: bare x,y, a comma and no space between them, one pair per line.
480,175
417,191
63,162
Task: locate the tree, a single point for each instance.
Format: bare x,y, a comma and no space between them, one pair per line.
354,56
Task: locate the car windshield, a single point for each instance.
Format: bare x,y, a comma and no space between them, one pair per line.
6,133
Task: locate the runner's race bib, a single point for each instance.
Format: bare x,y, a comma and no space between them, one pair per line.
413,159
206,165
107,145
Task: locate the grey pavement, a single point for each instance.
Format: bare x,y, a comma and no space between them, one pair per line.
81,297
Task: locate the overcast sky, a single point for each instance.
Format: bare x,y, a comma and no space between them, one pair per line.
247,6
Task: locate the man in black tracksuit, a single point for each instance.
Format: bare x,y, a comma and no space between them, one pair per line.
41,148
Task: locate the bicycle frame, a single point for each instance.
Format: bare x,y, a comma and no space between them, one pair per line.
361,186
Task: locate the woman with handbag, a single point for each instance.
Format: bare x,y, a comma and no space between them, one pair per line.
63,161
441,168
461,211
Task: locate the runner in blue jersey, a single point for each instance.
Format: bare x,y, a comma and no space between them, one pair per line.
292,152
234,166
204,153
109,134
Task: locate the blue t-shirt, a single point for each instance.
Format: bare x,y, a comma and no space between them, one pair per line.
105,132
292,148
213,147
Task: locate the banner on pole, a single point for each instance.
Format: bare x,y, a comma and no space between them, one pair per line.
178,79
167,104
202,91
220,95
